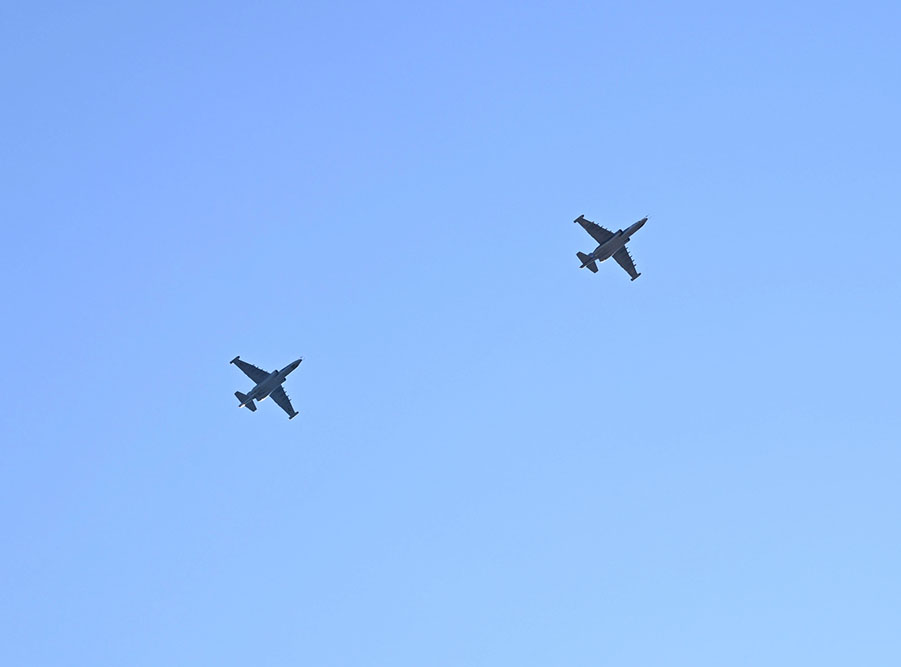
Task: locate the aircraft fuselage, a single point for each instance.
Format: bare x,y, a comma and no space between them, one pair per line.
271,383
607,249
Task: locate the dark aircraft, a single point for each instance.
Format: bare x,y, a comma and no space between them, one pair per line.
610,244
267,384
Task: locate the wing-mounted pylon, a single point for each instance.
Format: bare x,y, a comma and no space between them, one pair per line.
624,259
251,371
598,233
284,402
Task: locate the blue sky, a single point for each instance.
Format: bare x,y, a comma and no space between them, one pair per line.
499,459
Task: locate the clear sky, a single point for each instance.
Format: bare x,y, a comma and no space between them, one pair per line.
499,459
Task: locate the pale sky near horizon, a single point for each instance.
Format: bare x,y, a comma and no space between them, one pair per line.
499,459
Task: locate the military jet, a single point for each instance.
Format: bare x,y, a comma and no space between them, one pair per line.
267,384
611,244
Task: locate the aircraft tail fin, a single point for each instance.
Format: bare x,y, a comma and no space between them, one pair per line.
245,402
587,262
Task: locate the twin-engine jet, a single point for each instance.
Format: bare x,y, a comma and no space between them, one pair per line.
610,244
267,384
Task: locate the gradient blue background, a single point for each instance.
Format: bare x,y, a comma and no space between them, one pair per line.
499,459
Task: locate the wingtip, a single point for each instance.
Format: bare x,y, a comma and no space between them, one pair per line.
234,360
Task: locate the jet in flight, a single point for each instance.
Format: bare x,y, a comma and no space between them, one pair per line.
610,244
267,384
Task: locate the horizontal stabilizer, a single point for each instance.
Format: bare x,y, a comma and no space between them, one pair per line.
245,402
587,262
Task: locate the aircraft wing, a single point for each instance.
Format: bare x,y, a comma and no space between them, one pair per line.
280,397
624,259
598,233
251,371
